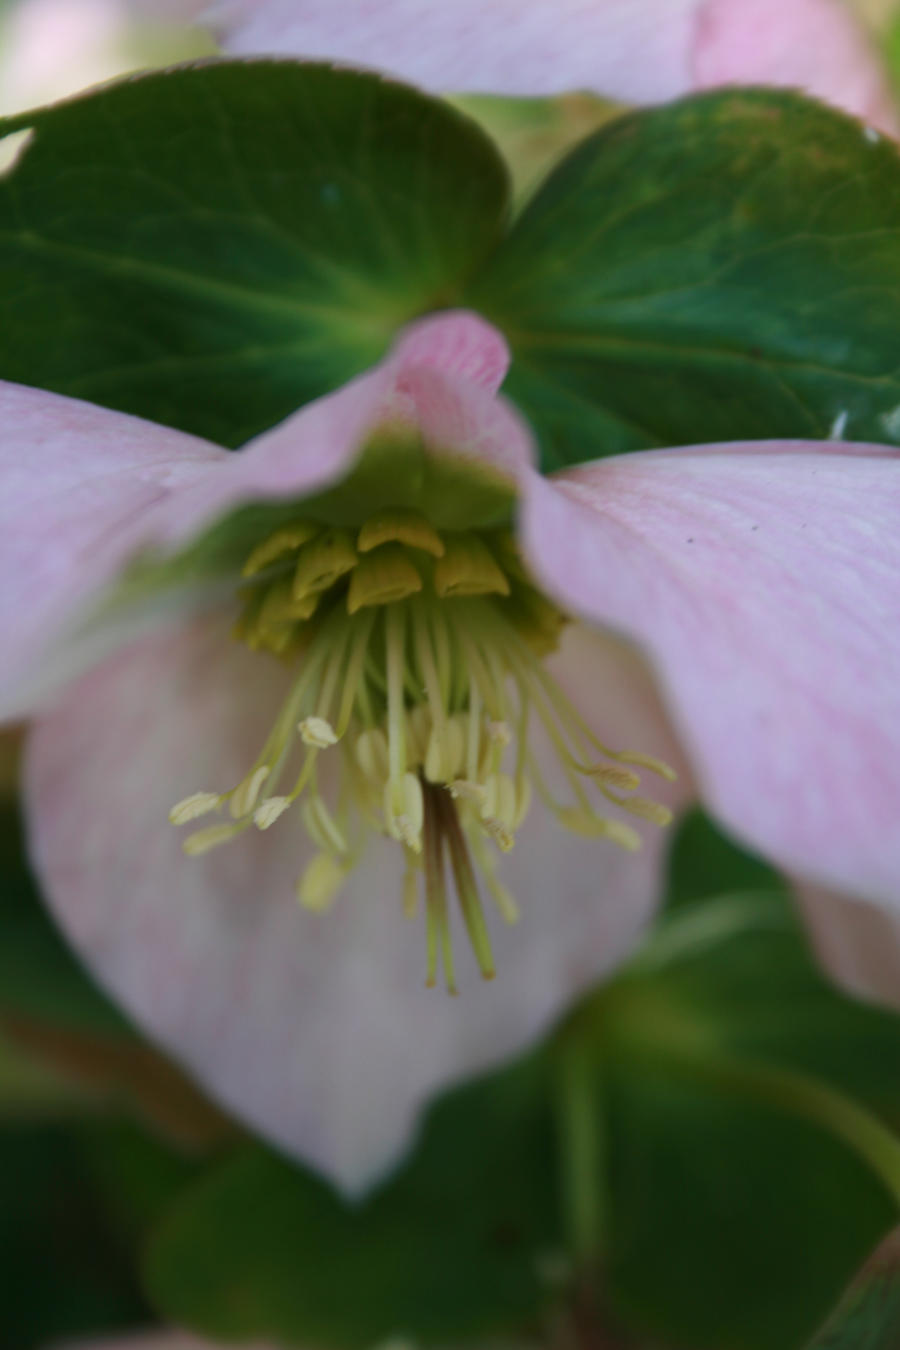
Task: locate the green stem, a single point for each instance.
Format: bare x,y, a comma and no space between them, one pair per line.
581,1146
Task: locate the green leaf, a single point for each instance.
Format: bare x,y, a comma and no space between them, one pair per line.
734,1225
745,1113
723,268
40,979
453,1248
212,246
63,1273
704,862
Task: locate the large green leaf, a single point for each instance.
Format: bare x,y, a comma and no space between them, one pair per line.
453,1248
747,1113
214,245
40,979
63,1272
727,267
734,1225
704,862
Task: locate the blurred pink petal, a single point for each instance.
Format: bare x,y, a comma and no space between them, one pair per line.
317,1029
634,51
764,581
51,48
857,943
813,45
79,484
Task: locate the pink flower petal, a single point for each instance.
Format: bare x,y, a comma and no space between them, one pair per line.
84,489
765,583
77,484
440,376
814,45
316,1029
857,943
636,51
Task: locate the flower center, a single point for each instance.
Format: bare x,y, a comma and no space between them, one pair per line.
419,664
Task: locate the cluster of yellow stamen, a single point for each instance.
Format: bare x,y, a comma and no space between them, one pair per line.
419,660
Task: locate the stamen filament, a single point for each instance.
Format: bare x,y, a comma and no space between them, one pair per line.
466,886
426,669
438,928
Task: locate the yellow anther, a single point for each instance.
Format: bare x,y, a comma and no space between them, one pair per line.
404,811
322,562
468,568
537,620
203,840
276,638
502,836
611,776
191,808
646,809
272,809
245,795
400,527
318,887
591,826
383,577
322,827
658,766
281,607
318,732
504,546
282,542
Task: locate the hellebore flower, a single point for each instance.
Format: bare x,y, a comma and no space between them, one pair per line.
405,693
633,51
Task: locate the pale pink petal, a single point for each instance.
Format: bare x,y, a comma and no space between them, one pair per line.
85,489
455,343
78,484
439,376
635,51
814,45
857,943
51,48
764,581
316,1029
